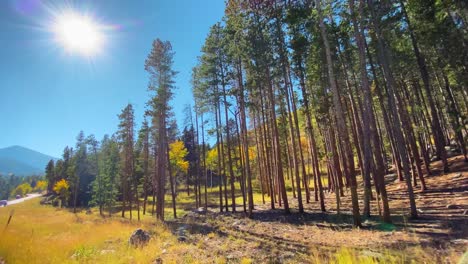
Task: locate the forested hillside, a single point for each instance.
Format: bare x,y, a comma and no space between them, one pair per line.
326,95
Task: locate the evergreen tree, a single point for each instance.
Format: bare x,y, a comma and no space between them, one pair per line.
159,66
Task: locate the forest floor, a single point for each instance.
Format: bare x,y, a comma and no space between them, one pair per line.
439,235
45,234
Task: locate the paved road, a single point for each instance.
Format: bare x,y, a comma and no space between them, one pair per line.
30,196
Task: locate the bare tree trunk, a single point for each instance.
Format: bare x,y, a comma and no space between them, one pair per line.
241,161
245,143
259,156
218,148
267,149
276,143
228,144
312,142
348,160
368,117
172,178
391,85
204,161
436,126
411,140
197,165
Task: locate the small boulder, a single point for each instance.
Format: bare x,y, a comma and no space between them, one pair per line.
139,238
390,178
182,233
200,210
182,238
452,206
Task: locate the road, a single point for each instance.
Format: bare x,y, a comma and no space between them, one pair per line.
30,196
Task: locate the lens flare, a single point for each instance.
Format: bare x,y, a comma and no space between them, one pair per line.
78,33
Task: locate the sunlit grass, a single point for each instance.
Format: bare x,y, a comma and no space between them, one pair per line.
345,255
43,234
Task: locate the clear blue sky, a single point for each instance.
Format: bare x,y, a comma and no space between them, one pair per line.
47,96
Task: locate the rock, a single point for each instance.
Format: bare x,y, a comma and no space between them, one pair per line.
460,241
200,210
182,238
390,178
181,230
51,199
139,238
452,206
452,152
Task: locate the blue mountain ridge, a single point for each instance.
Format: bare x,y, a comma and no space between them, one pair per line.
22,161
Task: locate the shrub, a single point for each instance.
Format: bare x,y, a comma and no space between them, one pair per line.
40,186
61,188
22,189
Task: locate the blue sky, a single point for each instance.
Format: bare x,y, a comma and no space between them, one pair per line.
48,95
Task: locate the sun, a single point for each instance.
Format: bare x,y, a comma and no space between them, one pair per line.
78,33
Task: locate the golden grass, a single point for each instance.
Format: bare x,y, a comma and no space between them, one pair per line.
42,234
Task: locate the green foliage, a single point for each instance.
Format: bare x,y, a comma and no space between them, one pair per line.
80,175
84,253
50,174
22,190
105,186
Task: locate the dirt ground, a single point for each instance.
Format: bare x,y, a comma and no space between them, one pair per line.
439,235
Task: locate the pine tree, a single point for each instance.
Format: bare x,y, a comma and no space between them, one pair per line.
159,66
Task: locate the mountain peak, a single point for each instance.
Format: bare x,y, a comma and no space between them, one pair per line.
22,161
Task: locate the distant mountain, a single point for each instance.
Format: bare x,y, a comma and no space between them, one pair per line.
22,161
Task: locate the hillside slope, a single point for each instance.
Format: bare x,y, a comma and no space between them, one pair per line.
22,161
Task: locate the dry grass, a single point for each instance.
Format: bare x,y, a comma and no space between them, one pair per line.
42,234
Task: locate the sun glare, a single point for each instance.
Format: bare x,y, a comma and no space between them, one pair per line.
78,33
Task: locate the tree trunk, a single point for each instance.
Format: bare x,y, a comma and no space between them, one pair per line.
436,126
348,160
391,85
